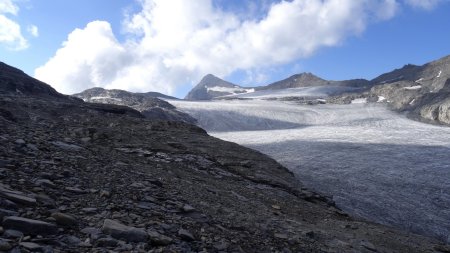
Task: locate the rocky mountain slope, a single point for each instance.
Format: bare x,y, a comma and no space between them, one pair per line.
310,80
420,91
82,177
148,103
211,86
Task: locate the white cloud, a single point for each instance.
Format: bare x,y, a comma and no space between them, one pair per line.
173,42
10,34
33,30
7,6
10,31
424,4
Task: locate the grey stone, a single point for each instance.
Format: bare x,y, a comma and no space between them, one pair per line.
64,219
368,246
66,146
29,226
89,210
158,239
20,142
106,242
188,208
31,246
12,234
185,235
4,245
123,232
75,190
17,197
4,213
45,183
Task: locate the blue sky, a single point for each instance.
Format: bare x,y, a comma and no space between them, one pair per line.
168,45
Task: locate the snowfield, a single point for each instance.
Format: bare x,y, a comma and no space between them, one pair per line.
376,164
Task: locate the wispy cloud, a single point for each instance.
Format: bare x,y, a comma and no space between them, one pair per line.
33,30
173,42
10,32
424,4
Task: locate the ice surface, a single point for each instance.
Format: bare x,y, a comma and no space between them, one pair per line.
319,91
377,164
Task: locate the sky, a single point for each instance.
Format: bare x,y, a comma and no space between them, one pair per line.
169,45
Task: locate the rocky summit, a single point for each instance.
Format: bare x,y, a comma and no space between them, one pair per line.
82,177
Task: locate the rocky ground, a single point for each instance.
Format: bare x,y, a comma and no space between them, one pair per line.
79,177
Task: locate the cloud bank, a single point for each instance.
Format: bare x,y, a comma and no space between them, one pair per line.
173,42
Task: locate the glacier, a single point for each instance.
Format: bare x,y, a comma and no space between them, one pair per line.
377,164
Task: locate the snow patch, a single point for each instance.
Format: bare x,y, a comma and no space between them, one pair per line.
418,80
359,101
381,99
412,101
415,87
234,90
439,75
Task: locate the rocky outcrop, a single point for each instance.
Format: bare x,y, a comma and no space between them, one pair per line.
149,104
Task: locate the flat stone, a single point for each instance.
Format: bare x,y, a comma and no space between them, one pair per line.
187,208
106,242
20,142
158,239
64,219
31,246
90,231
89,210
281,236
123,232
12,234
185,235
4,213
75,190
8,204
368,246
66,146
45,183
29,226
17,197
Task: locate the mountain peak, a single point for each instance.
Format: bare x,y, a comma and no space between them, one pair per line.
212,86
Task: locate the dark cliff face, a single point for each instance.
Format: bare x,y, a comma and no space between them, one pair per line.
15,82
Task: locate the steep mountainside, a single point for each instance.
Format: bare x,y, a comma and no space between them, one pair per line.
211,86
82,177
148,104
420,91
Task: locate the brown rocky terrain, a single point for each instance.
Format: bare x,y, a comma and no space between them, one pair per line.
81,177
